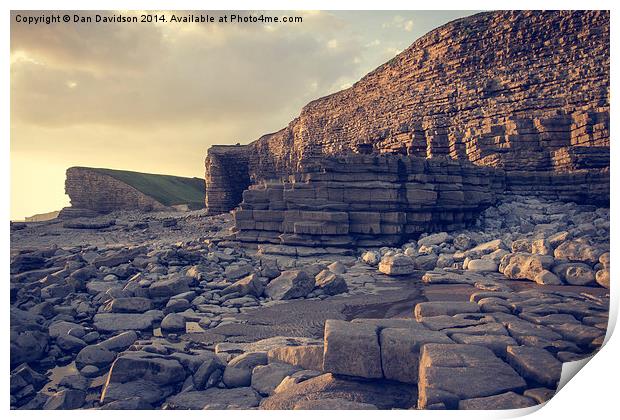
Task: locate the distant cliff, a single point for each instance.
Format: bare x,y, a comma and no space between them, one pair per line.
523,91
106,190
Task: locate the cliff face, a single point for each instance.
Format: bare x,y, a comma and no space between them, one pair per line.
524,91
105,190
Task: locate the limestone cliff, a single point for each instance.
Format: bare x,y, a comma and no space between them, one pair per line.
524,91
105,190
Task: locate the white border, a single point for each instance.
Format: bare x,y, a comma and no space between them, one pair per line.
591,395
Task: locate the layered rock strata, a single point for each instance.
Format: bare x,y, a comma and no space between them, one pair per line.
365,200
227,176
525,91
105,190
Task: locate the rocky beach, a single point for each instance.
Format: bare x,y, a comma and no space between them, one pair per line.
166,311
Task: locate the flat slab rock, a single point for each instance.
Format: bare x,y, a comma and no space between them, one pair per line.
383,395
453,372
215,399
333,404
535,364
113,322
506,401
430,309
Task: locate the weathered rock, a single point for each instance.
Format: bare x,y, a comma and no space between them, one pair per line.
132,403
540,395
113,322
397,265
506,401
173,323
290,285
482,265
582,335
234,272
265,378
529,266
169,287
249,285
496,343
333,404
78,382
577,274
547,277
94,355
62,328
578,251
400,351
331,283
535,364
352,349
426,262
133,366
70,343
130,305
147,391
431,309
214,398
66,399
307,357
384,395
371,258
434,239
238,372
602,278
464,371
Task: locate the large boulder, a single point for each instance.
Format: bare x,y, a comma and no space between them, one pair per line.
352,349
371,258
530,267
397,265
290,284
66,399
265,378
238,372
173,323
169,287
29,338
578,251
577,274
434,239
114,322
331,283
150,367
249,285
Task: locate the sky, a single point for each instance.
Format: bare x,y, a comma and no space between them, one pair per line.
153,97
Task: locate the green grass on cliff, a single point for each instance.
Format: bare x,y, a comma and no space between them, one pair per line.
167,189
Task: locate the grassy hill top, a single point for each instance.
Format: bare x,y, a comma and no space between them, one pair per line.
169,190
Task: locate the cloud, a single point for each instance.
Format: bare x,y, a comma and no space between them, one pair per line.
133,75
399,22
